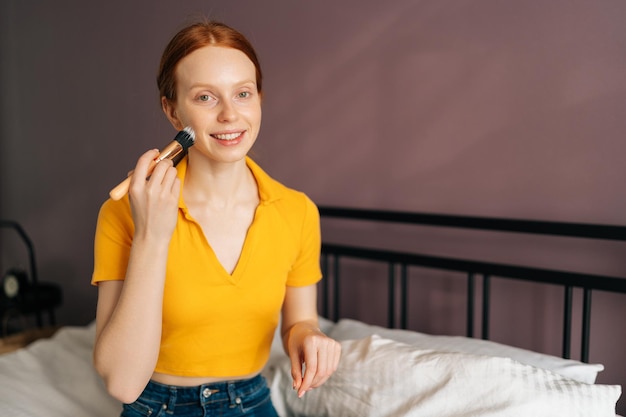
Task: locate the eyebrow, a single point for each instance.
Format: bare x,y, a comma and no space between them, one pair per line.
210,86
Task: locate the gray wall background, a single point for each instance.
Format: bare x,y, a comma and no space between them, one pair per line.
513,109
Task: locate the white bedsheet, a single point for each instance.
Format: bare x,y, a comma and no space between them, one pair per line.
55,378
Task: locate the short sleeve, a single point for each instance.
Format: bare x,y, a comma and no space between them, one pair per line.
113,240
306,269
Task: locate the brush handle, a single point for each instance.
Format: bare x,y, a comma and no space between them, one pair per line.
174,151
122,188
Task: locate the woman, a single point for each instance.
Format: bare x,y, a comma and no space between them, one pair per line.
196,266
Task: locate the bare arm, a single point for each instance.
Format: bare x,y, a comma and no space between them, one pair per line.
128,317
304,342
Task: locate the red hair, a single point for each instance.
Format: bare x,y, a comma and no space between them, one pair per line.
194,37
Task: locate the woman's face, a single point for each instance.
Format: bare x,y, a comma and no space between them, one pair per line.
217,96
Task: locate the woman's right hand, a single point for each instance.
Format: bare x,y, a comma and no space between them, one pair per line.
154,201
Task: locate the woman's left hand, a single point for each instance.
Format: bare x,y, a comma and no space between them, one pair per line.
314,356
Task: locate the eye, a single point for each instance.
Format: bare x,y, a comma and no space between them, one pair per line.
244,94
204,97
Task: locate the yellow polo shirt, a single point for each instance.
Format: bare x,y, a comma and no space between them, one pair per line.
216,324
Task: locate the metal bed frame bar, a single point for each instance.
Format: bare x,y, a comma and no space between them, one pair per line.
488,270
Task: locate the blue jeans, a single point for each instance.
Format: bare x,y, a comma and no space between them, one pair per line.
248,397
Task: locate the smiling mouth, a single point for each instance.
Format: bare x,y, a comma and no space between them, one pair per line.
227,136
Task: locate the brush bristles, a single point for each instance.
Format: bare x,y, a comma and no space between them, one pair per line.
186,137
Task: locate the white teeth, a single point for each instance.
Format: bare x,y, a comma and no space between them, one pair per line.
227,136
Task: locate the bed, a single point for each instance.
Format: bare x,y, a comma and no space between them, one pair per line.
387,369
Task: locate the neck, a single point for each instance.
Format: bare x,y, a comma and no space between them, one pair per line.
218,185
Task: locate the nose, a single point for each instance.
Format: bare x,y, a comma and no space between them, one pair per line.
227,112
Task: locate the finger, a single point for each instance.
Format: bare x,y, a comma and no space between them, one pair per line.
160,173
162,179
296,370
334,353
176,187
310,362
171,182
145,164
322,372
328,362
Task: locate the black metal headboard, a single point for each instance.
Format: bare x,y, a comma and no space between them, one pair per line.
399,261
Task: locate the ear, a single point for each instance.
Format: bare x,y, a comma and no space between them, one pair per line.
170,111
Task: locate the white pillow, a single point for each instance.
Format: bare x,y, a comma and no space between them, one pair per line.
383,378
347,329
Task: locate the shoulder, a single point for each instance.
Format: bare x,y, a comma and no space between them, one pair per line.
116,208
115,216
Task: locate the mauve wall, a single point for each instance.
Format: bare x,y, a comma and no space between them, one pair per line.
513,109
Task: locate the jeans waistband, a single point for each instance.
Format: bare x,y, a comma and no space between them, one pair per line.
228,391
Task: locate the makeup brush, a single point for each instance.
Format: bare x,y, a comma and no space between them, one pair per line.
175,151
